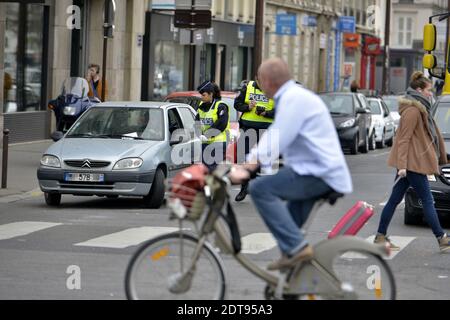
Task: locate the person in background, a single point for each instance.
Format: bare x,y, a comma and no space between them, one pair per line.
354,87
213,124
418,151
95,82
257,114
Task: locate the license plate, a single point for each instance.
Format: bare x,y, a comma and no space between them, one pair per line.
84,177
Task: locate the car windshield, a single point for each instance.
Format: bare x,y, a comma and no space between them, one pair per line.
392,103
442,117
120,123
339,104
375,107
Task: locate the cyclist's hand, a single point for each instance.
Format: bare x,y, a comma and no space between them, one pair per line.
238,175
402,173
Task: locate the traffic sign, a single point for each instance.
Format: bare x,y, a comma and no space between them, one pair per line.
188,19
347,24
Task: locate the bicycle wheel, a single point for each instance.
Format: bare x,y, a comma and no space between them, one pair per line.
365,276
158,271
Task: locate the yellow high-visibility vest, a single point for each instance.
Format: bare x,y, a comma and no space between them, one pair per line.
207,119
261,101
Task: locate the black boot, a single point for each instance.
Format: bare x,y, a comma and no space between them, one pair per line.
242,194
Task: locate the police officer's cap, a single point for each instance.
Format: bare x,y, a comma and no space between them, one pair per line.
206,86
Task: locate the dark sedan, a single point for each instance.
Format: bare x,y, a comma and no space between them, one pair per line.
440,184
350,119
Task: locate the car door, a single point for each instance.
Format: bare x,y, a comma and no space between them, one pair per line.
361,120
180,151
188,118
368,116
388,121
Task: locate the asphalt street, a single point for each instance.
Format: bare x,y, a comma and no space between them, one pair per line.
40,245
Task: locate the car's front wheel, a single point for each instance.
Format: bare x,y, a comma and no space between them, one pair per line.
372,142
52,199
155,198
355,146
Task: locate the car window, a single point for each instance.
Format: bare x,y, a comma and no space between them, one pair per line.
187,117
120,123
339,104
363,101
175,122
442,117
392,103
375,107
194,102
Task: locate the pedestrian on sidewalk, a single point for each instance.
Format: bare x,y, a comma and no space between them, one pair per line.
258,114
95,82
418,151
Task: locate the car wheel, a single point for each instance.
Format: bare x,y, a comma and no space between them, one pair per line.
381,145
372,142
52,199
355,146
411,219
365,147
390,143
155,198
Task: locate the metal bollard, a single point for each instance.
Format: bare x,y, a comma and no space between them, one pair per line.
5,158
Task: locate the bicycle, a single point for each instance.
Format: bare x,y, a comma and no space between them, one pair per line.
185,265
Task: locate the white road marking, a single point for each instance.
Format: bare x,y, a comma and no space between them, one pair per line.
17,229
127,238
402,242
256,243
380,154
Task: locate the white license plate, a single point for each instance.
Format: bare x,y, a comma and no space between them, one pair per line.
84,177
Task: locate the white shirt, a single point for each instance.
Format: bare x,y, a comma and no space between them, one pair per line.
304,134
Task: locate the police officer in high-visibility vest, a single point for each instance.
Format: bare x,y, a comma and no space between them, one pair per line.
214,124
258,113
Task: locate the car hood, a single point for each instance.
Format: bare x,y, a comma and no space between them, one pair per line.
100,149
395,115
338,120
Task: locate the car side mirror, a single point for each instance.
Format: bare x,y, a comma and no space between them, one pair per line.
176,141
361,111
57,135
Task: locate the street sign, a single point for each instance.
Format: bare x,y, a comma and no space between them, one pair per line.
347,24
286,24
198,19
310,21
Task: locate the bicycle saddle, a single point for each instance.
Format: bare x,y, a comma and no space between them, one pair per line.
332,197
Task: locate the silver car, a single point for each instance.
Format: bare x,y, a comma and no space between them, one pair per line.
121,149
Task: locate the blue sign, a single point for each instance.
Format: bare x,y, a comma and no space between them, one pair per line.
347,24
286,24
337,62
310,21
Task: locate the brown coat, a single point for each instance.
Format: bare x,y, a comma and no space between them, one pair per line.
99,90
413,148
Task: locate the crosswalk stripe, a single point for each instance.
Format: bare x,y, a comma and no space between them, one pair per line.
256,243
402,242
127,238
17,229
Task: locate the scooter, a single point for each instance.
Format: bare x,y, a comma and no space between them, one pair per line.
71,103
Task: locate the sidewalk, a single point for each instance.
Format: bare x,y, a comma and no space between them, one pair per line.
23,163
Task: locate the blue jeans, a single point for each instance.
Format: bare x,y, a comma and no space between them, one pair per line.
269,194
421,186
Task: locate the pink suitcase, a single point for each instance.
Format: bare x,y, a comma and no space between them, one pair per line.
353,220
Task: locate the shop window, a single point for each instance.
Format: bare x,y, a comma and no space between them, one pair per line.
23,57
170,65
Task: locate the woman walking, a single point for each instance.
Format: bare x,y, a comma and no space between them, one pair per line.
417,152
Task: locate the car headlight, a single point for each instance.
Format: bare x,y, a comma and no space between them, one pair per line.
130,163
70,111
50,161
432,178
348,123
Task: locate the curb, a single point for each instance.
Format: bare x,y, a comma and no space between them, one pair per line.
36,193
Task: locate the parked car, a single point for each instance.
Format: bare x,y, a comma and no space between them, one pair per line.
440,184
352,122
383,121
121,149
193,98
371,124
392,104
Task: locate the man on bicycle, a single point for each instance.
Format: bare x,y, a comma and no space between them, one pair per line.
314,164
